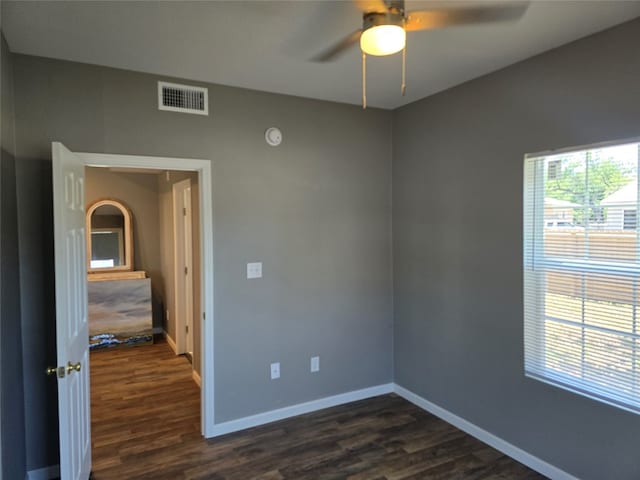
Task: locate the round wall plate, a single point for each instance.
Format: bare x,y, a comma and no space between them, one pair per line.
273,136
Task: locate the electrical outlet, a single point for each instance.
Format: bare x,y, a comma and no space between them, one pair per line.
315,364
275,370
254,270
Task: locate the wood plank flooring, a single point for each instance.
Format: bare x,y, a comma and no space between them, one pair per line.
146,425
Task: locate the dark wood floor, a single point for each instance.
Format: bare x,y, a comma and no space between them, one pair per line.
146,425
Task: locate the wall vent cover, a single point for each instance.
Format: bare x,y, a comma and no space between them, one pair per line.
183,98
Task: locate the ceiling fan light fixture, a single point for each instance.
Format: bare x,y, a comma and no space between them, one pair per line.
382,40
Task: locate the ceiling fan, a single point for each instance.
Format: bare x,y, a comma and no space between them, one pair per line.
385,24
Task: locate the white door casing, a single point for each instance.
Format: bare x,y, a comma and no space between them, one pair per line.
183,266
72,328
203,168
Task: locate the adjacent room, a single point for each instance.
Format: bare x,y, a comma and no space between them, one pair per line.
143,294
320,239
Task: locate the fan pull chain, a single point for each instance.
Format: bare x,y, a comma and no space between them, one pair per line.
403,87
364,80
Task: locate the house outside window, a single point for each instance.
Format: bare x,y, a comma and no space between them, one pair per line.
621,206
582,272
629,219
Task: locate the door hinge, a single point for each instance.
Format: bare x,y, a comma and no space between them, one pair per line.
184,211
186,327
186,270
203,316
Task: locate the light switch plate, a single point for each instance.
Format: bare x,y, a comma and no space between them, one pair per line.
254,270
315,364
275,370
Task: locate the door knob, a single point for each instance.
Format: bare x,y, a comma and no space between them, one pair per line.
59,371
71,367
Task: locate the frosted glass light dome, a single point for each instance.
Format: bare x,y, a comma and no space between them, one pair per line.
383,40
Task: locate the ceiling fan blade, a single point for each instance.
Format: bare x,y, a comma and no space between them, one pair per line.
449,17
339,48
368,6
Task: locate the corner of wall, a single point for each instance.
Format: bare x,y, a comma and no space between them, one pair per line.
12,427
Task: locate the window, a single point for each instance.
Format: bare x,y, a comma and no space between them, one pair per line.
582,278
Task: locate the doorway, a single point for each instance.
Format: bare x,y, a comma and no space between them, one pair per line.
204,294
72,336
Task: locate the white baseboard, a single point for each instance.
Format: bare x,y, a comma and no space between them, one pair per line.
505,447
46,473
170,342
299,409
196,378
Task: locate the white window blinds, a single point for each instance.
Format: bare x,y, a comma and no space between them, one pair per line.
582,272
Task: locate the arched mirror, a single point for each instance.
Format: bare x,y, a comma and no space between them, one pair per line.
109,237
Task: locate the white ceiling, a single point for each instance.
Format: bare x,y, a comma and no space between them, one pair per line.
265,45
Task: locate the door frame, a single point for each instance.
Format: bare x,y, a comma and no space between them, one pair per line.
182,281
203,168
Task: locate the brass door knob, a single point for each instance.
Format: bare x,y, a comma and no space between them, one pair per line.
71,367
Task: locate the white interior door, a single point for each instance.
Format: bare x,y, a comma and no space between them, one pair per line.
188,261
72,331
183,266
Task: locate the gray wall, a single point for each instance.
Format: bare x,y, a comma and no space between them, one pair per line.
139,192
315,211
37,300
457,223
12,439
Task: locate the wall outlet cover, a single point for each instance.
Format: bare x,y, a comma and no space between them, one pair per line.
254,270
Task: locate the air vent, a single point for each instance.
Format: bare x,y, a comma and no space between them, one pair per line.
183,98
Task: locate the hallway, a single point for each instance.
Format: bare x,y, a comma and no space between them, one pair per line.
144,408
